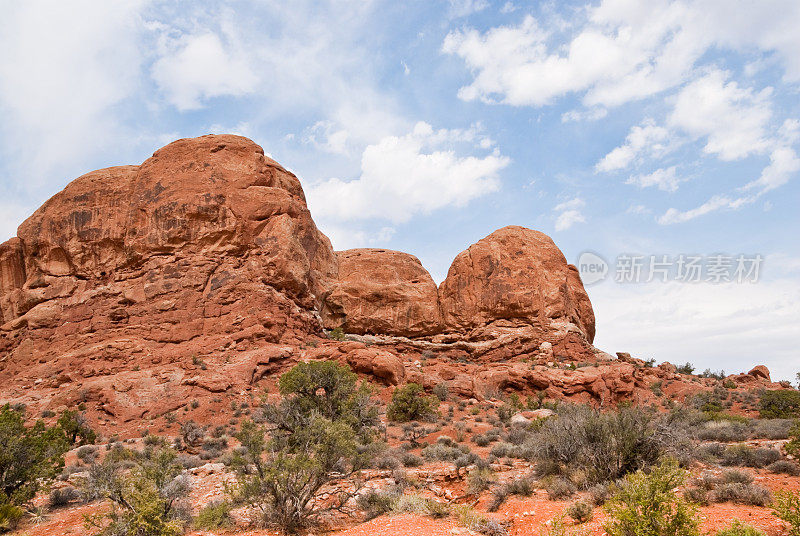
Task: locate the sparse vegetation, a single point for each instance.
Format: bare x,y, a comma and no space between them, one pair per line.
647,504
787,507
580,511
779,404
738,528
410,403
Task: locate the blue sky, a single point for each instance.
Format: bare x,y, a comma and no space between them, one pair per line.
650,128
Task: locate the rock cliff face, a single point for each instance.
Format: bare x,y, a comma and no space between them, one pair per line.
379,291
202,271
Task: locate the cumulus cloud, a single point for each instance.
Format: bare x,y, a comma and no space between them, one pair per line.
622,50
663,178
569,213
648,138
200,67
734,120
401,176
783,164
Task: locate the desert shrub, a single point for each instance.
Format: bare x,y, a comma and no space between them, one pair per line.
779,404
63,496
772,428
146,489
501,450
416,504
516,435
10,516
192,433
29,458
519,486
479,480
605,446
733,476
599,494
337,334
560,488
476,522
724,431
793,445
76,428
189,462
410,460
580,511
441,391
87,453
375,503
738,528
697,495
467,459
410,403
316,430
646,504
687,368
441,452
739,493
711,451
744,456
215,515
787,507
784,467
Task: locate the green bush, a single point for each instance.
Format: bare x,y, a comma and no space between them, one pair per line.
793,446
76,428
738,528
410,403
787,507
146,489
740,493
29,457
10,516
779,404
647,505
319,428
214,516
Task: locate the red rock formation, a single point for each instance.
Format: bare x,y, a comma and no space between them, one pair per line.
381,291
206,245
514,275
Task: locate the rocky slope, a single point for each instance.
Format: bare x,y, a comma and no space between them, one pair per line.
201,273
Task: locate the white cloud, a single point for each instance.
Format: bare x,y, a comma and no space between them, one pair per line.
569,213
734,120
663,178
638,209
464,8
717,202
649,138
621,50
710,326
405,175
200,67
783,163
590,114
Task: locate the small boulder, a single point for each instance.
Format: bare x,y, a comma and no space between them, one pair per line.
385,366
